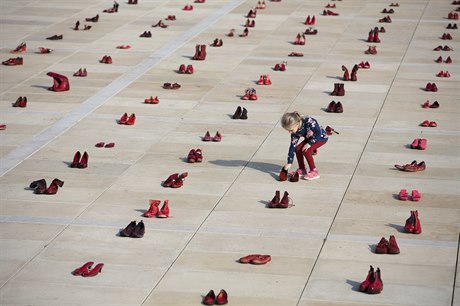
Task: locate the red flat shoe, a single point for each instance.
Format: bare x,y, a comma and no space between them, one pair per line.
124,47
403,195
425,123
433,124
2,127
283,176
422,144
94,271
248,258
415,143
83,269
131,119
416,195
164,211
179,181
191,156
261,259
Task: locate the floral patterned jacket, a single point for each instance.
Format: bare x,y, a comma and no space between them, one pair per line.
311,131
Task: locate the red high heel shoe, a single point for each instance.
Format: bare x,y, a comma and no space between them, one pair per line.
123,119
209,298
275,202
164,211
83,269
153,209
53,188
76,160
222,298
131,119
84,161
21,48
382,247
217,137
94,271
393,246
369,279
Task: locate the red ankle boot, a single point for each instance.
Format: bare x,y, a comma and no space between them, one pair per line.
369,279
336,89
164,211
377,285
393,246
382,247
346,76
341,89
284,203
153,209
417,225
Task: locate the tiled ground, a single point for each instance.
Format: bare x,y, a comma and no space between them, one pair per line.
321,247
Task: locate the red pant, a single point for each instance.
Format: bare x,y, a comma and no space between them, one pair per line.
308,154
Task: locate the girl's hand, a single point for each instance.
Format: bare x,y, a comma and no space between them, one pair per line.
309,133
287,166
305,147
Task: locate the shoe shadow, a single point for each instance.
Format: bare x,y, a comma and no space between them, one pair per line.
265,203
398,227
354,284
334,77
372,247
67,163
365,40
187,56
408,146
395,196
324,109
141,211
41,86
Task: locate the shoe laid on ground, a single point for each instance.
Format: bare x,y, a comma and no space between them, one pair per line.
311,175
21,48
382,246
13,61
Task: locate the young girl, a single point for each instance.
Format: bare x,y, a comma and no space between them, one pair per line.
314,137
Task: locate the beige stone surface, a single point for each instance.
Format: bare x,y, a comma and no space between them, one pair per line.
321,246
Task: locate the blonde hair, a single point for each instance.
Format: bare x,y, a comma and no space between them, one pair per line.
290,119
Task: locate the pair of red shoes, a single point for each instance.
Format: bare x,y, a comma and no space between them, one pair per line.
255,259
250,94
412,167
81,73
300,39
413,225
264,79
20,102
311,31
386,19
87,271
146,34
373,36
330,6
452,26
103,145
278,202
154,211
261,5
404,196
250,23
217,43
188,8
252,13
364,65
443,74
39,186
329,13
152,100
334,107
106,59
195,156
280,67
133,230
43,50
373,283
296,54
127,120
427,123
452,15
21,48
13,61
385,11
171,86
431,87
448,60
446,36
441,48
387,246
175,180
371,50
216,138
212,299
310,21
171,17
124,47
419,143
435,104
80,161
339,89
186,69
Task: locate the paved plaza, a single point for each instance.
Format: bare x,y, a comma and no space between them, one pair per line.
321,246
